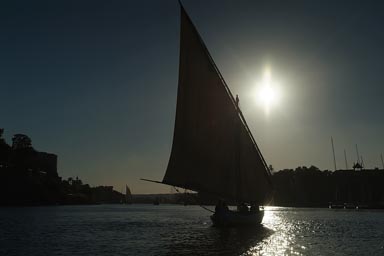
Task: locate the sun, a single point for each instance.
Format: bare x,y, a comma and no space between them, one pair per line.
268,94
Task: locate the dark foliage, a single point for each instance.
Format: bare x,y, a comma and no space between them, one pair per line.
29,177
310,187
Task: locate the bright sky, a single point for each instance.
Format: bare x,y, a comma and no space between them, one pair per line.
95,82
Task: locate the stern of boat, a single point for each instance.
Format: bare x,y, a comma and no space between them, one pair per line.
235,218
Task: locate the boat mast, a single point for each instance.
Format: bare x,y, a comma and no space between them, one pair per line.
237,156
346,162
357,154
333,150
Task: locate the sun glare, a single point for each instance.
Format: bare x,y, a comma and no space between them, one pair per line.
268,94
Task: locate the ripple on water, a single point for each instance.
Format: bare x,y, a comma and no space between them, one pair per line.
179,230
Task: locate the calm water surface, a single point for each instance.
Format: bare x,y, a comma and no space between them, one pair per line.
178,230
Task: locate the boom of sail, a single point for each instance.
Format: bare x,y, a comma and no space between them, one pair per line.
213,149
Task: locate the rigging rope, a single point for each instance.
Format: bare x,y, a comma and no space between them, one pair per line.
202,206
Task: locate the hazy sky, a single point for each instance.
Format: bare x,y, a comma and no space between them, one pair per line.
95,81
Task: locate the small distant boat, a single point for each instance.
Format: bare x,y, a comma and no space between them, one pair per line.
156,201
350,206
335,206
128,195
357,206
213,150
345,206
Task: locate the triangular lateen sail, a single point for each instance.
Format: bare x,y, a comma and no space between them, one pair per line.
213,150
128,195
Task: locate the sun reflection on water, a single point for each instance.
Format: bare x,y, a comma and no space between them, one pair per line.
283,240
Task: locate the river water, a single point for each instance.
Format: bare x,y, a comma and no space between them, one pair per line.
186,230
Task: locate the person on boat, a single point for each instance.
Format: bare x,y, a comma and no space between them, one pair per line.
221,207
243,208
254,208
237,101
225,206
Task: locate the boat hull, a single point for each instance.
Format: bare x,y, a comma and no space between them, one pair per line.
235,218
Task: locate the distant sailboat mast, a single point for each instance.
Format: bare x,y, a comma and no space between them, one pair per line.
333,150
346,162
357,154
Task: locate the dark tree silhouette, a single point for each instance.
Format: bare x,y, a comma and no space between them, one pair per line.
2,141
21,141
5,149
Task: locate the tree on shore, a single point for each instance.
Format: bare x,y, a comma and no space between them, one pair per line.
4,148
21,141
2,141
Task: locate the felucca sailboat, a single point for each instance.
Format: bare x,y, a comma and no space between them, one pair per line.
128,195
213,150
